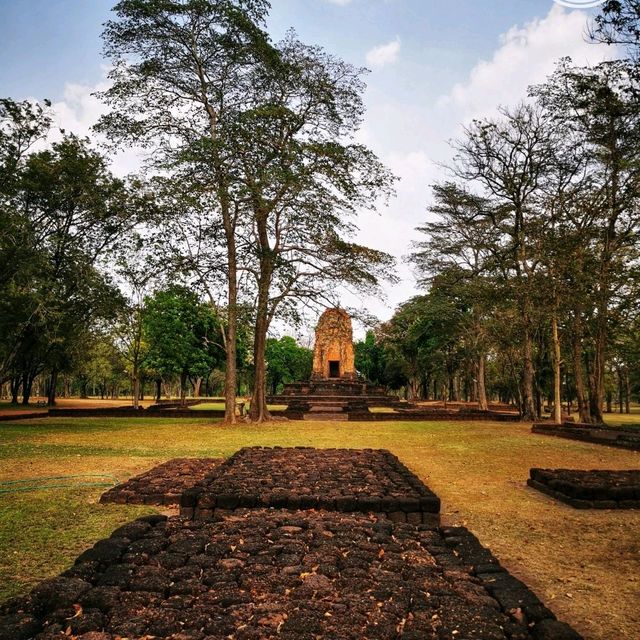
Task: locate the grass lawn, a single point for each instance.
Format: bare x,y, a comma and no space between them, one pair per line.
584,564
220,406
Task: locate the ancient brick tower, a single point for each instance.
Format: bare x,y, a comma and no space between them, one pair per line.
334,391
333,356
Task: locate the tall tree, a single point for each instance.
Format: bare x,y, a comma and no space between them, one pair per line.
600,107
179,81
508,159
303,180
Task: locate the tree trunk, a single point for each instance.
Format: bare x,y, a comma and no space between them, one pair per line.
258,411
627,395
557,381
15,389
27,382
528,374
482,383
196,387
136,387
596,390
183,389
620,391
158,389
231,374
578,372
53,383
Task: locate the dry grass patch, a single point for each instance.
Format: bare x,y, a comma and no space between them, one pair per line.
584,564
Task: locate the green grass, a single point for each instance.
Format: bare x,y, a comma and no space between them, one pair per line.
220,406
478,469
206,406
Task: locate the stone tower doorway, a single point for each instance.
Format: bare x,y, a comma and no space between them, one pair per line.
334,368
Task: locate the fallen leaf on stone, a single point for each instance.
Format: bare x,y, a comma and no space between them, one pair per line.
518,615
78,612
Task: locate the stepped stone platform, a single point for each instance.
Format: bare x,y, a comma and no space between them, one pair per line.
622,437
596,489
333,399
164,484
268,574
345,480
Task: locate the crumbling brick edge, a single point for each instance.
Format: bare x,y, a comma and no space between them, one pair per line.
575,496
588,433
513,596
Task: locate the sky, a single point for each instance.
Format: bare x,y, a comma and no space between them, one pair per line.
434,65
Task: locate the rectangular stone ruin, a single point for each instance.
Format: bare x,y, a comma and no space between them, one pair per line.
623,437
345,480
269,573
596,489
163,484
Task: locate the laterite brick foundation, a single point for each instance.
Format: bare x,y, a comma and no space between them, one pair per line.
344,480
589,489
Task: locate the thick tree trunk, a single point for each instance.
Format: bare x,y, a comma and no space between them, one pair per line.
27,383
578,371
231,373
620,391
53,383
482,383
158,389
15,389
197,386
258,411
136,388
557,380
596,377
627,395
528,373
183,389
596,391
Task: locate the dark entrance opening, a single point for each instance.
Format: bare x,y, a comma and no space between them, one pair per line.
334,368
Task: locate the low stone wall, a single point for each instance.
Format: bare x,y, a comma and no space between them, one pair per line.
345,480
164,484
624,438
279,574
595,489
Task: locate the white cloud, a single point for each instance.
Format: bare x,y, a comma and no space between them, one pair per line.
339,2
526,56
383,54
401,132
78,111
